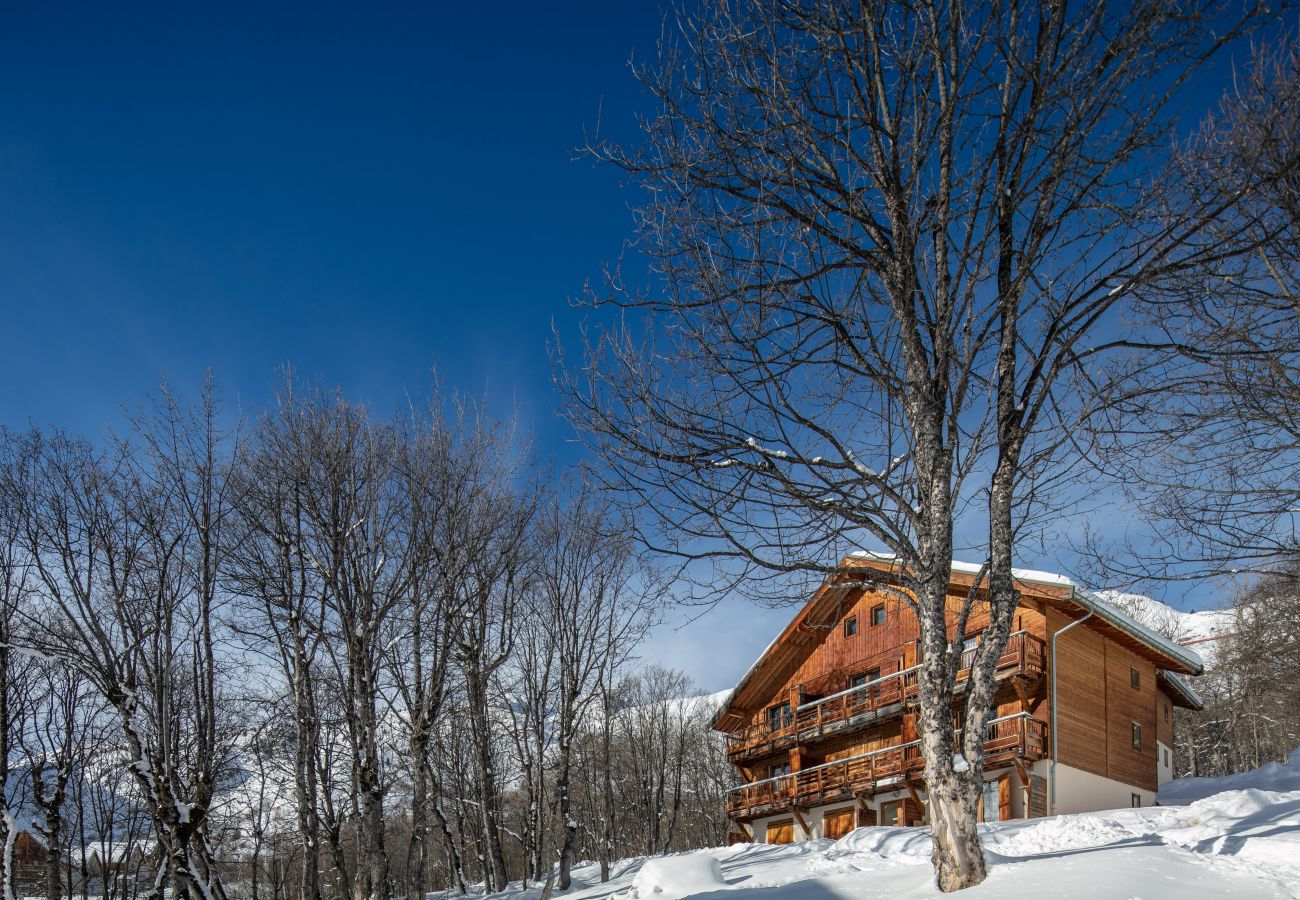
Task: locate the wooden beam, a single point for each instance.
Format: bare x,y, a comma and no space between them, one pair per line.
911,790
1021,692
803,823
744,830
1021,771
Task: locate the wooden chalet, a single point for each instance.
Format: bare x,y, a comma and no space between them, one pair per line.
822,728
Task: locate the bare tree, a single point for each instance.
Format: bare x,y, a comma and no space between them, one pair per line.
14,595
129,544
594,604
440,471
56,747
1203,424
885,234
484,564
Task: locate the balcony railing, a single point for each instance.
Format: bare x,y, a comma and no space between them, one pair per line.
1025,655
1018,736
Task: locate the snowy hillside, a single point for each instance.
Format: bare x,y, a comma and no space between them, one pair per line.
1195,628
1241,843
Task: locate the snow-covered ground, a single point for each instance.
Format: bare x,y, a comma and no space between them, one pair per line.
1240,842
1274,777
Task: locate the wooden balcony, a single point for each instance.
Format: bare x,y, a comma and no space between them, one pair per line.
1019,736
882,699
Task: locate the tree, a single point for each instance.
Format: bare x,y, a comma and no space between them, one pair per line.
128,546
14,596
884,236
1202,423
273,570
56,746
591,611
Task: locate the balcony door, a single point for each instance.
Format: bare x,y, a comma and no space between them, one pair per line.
995,804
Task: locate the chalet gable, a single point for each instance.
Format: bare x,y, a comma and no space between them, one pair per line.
865,572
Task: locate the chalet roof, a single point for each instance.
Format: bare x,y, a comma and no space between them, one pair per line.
803,633
1183,693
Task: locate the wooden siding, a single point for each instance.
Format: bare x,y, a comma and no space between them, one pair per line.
1126,706
1081,696
1164,718
889,647
1098,706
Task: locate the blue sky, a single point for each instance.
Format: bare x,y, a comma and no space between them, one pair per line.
359,195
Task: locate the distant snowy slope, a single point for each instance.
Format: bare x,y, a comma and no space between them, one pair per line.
1195,628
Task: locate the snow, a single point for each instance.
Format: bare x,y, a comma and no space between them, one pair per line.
967,568
678,876
1272,777
1103,604
1241,841
1201,627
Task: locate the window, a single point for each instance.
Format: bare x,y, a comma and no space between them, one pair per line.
858,681
1135,800
1137,736
778,770
1135,678
850,626
778,716
1166,712
1166,757
873,674
878,614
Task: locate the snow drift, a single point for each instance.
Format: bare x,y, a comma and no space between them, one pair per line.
1272,776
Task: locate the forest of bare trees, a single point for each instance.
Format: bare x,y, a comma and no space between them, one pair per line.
928,278
327,654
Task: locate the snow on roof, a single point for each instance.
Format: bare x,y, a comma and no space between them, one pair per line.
1178,684
1099,604
967,568
1124,622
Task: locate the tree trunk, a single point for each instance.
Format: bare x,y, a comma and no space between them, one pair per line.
954,806
417,854
489,800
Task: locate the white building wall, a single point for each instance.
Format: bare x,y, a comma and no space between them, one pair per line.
1164,763
1079,791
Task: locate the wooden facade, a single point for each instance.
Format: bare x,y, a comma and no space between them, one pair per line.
827,715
